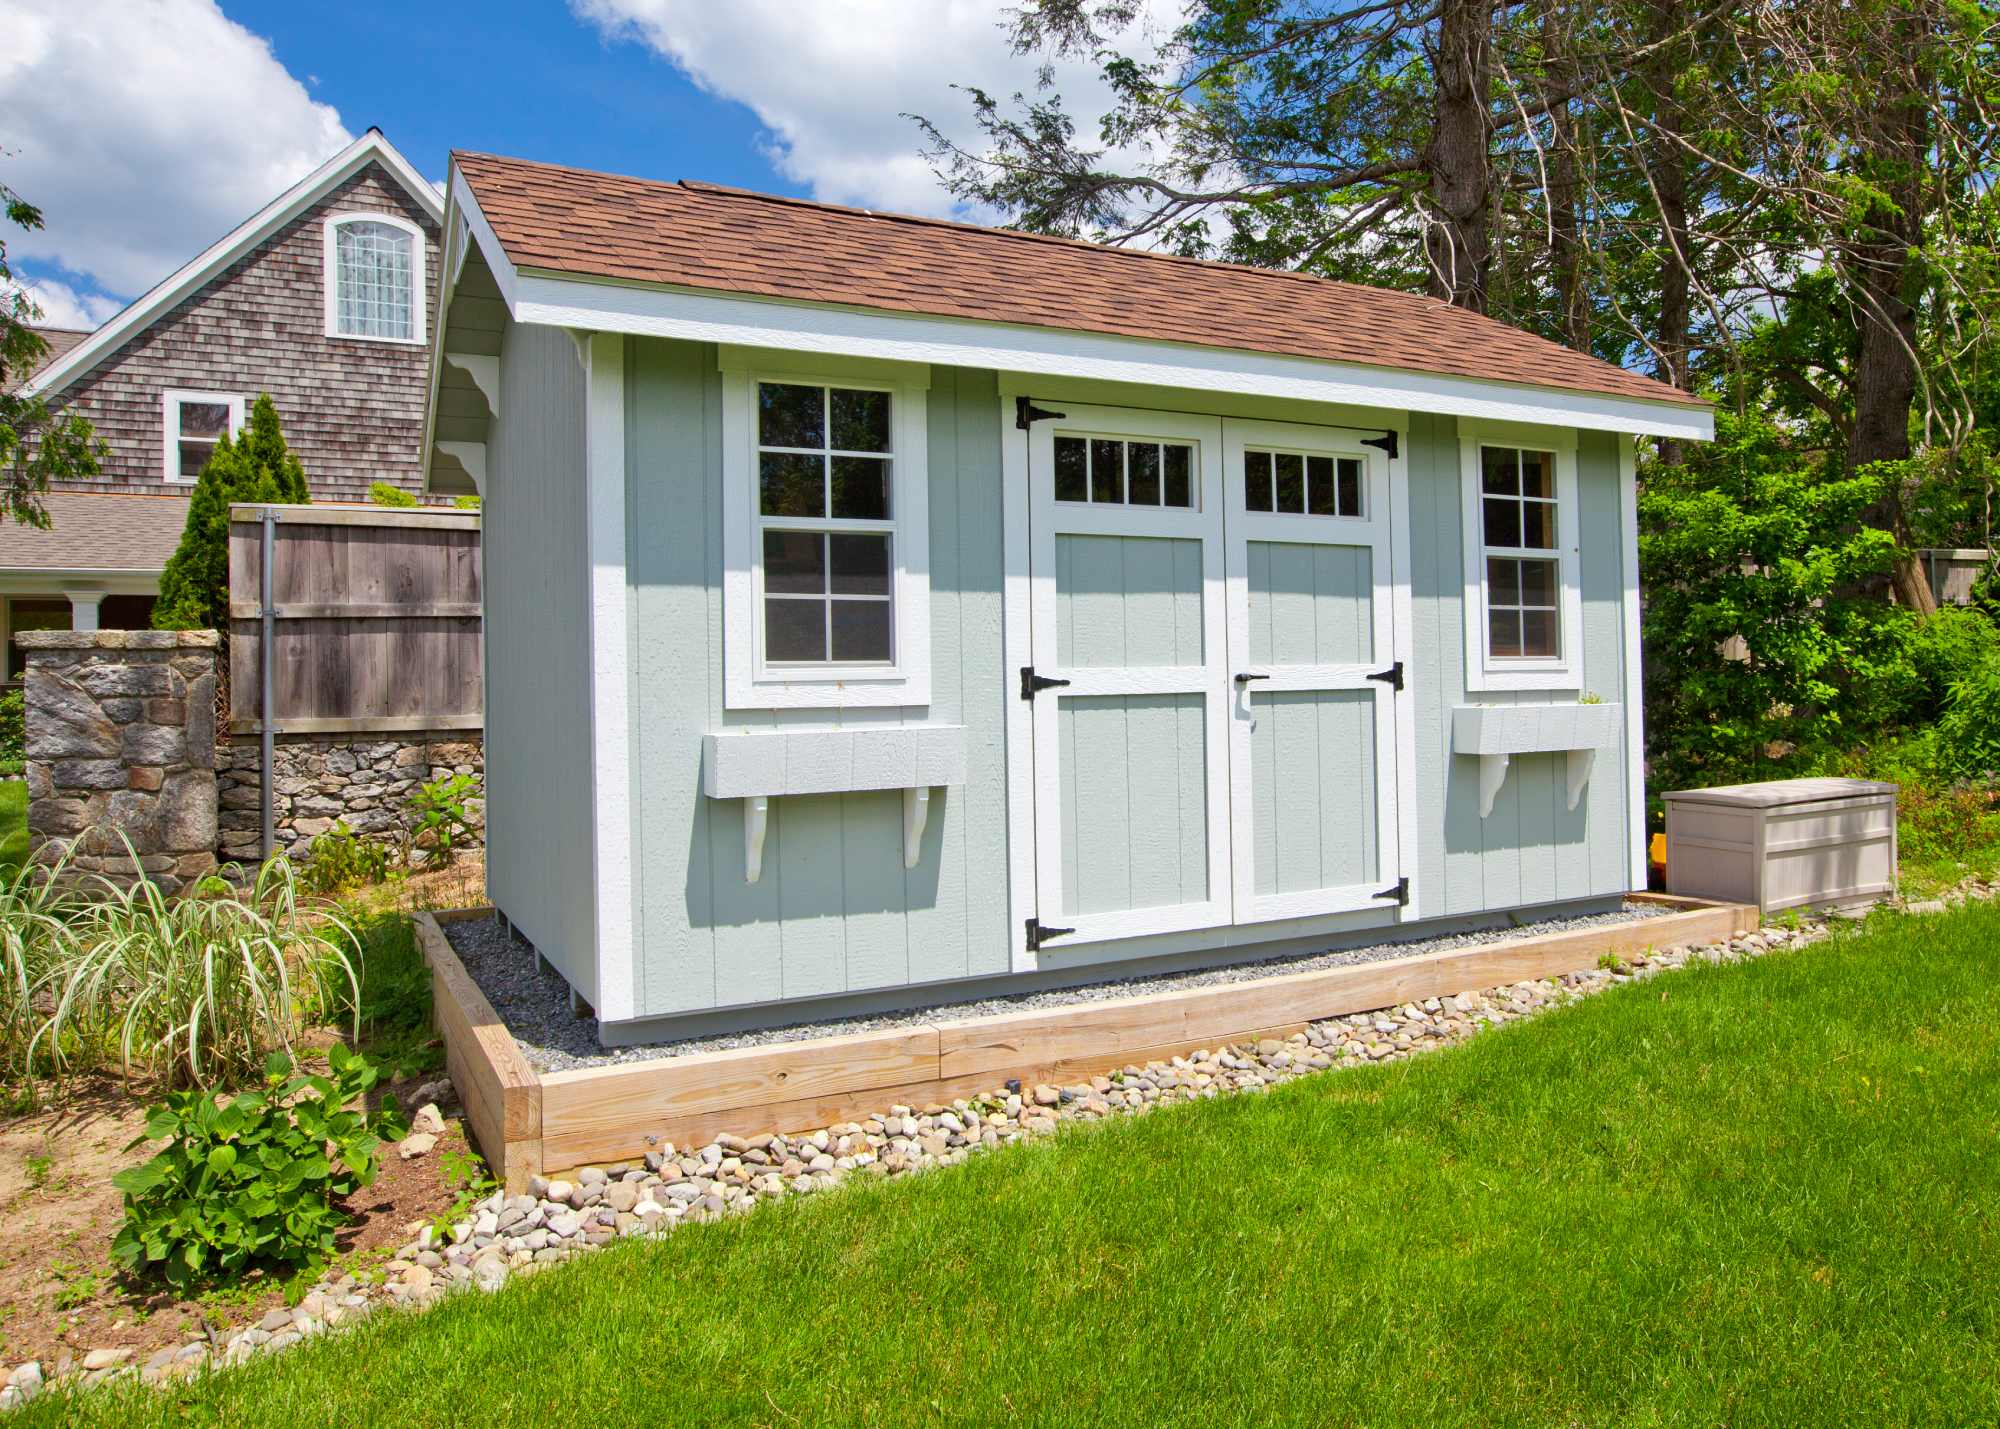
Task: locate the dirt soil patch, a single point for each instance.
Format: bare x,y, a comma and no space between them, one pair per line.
61,1295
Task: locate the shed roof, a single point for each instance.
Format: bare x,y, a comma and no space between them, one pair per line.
707,237
96,531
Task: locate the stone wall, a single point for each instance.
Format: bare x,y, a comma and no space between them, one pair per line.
364,780
121,739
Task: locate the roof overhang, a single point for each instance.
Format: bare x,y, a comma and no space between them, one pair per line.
651,310
369,148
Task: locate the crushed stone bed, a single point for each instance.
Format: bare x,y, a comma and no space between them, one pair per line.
581,1211
535,1004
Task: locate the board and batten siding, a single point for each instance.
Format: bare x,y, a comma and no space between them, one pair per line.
835,911
538,668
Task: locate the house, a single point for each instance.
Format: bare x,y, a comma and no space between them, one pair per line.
882,610
323,298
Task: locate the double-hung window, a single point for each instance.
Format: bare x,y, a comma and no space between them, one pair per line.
192,423
374,278
1522,605
826,588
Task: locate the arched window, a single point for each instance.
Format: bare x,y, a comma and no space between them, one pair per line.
375,278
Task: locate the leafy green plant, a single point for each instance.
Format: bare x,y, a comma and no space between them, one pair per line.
252,1182
75,1286
395,1008
1968,732
35,941
13,726
441,816
194,989
468,502
465,1172
381,493
339,860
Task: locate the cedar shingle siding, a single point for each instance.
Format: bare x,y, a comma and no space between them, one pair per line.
353,410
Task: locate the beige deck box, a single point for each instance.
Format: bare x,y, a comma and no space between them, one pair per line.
1789,843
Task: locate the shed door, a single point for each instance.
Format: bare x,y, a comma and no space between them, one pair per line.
1312,716
1127,616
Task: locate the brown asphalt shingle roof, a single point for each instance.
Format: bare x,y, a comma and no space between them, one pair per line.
96,531
704,236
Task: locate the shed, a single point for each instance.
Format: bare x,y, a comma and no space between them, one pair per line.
883,611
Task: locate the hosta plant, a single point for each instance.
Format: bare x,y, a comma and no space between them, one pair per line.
253,1182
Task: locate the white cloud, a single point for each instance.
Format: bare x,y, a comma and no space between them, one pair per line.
144,130
831,80
64,306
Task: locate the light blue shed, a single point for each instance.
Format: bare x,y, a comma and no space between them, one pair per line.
884,611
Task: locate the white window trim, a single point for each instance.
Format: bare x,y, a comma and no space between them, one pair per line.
747,682
331,275
170,427
1485,672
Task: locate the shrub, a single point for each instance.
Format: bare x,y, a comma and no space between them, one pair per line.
253,1182
441,816
13,726
194,989
254,466
337,861
383,494
1948,647
1968,732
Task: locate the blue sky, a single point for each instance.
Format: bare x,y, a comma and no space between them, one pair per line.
147,129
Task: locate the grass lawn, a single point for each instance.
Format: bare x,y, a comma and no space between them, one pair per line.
13,823
1755,1195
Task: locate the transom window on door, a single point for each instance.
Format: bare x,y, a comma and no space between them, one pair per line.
1518,530
374,278
192,423
1301,483
825,523
1121,472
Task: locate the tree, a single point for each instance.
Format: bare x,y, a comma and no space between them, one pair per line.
37,445
257,466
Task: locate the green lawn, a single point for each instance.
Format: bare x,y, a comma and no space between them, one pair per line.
1754,1195
13,822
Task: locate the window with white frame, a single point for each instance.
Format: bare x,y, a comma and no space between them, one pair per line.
374,278
192,423
1523,608
825,592
1301,483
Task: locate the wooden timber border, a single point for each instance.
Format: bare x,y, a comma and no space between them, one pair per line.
530,1123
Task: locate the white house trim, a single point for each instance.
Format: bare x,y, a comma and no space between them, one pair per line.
659,311
1015,640
330,276
135,319
748,683
1634,674
171,402
1483,672
610,690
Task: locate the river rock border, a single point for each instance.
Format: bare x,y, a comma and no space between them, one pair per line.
561,1218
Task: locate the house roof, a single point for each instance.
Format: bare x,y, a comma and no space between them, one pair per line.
60,340
191,277
701,236
99,532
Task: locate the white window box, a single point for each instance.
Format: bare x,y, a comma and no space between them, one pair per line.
757,766
1495,733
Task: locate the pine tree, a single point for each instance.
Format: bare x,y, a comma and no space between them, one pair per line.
255,466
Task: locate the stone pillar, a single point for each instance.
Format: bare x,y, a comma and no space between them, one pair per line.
121,738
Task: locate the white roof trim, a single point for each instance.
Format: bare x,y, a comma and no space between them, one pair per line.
603,306
171,291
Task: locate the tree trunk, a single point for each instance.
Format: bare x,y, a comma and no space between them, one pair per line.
1668,161
1881,256
1457,238
1566,254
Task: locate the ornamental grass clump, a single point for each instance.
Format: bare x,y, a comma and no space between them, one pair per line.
35,939
196,989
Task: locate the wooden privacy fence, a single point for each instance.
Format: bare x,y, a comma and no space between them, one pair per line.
1952,572
374,619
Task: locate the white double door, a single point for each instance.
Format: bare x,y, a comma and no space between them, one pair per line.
1213,686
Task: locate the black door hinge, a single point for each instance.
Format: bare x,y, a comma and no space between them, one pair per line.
1031,682
1392,677
1386,443
1026,413
1038,935
1401,892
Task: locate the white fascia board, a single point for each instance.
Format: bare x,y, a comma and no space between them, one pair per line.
799,327
191,277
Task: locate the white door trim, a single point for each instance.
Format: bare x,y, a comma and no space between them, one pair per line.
1016,642
1372,529
1210,679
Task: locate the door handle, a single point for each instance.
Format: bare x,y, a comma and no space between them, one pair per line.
1246,677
